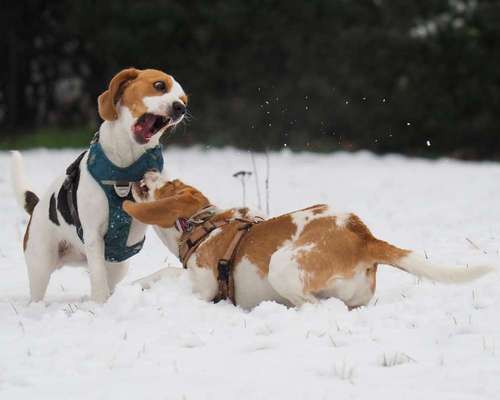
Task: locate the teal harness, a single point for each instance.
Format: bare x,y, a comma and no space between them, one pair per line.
116,183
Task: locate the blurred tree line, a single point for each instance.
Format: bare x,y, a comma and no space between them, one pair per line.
418,77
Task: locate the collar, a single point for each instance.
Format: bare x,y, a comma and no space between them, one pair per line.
185,225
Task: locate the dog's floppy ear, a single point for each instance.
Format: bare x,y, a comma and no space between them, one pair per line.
107,101
151,213
164,212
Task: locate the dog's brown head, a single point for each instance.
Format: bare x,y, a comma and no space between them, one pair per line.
146,101
161,203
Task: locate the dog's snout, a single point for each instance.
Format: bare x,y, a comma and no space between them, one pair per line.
178,109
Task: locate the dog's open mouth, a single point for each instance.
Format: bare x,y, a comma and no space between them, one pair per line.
149,125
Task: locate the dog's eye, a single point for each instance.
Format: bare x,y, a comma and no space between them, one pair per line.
160,86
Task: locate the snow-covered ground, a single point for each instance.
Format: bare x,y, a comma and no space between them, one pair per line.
416,340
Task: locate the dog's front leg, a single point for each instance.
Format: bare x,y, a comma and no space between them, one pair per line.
169,272
99,288
93,209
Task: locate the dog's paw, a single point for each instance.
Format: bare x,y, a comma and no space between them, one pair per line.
100,295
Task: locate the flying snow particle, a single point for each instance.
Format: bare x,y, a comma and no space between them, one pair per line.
408,124
428,143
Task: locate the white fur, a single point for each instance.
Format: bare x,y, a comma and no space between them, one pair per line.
287,278
203,280
355,291
18,178
418,265
341,219
46,239
251,288
304,217
170,238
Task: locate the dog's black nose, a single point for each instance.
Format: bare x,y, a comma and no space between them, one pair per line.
178,109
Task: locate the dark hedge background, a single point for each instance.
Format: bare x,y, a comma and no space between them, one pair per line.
383,75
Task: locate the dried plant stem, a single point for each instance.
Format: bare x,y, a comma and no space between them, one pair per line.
267,182
257,184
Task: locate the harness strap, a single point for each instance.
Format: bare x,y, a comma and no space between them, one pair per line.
192,240
225,265
68,193
194,237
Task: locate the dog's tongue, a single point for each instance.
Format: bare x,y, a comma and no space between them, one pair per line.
144,127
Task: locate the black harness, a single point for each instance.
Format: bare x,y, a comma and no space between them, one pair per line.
67,203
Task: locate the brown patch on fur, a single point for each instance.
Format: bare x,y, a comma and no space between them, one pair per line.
212,249
316,209
178,200
385,253
334,252
264,239
168,189
371,273
184,99
142,87
30,201
340,252
108,99
226,215
258,245
131,86
63,248
26,235
244,211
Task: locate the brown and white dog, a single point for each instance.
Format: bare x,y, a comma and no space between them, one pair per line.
137,108
302,256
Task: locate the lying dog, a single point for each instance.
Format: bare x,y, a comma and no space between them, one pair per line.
80,219
298,257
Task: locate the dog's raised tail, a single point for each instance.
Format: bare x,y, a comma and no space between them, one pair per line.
418,265
25,197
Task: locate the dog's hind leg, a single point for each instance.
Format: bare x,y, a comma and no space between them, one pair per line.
116,272
41,260
41,253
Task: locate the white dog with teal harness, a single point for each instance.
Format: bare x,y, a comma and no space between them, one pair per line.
79,220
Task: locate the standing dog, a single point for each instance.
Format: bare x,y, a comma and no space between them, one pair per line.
79,219
294,258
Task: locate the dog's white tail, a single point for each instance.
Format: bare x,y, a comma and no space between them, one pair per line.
418,265
385,253
25,197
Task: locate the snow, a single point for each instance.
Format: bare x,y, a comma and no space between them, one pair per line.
415,340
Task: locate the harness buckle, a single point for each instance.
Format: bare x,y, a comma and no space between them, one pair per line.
223,267
122,188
